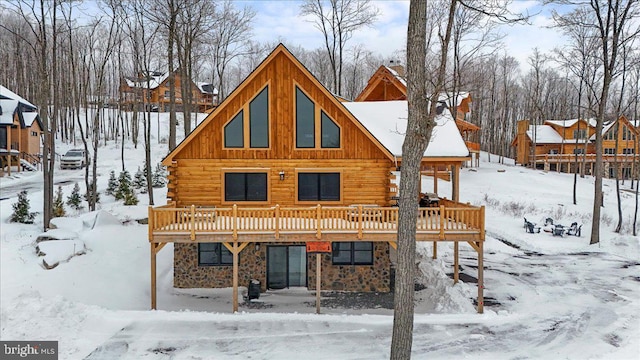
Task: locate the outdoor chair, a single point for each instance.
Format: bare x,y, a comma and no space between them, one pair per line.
558,230
575,229
531,227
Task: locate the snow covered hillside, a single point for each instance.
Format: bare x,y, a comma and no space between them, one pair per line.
547,297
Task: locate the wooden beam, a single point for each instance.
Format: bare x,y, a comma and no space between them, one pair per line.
393,244
480,277
455,262
456,183
318,281
474,245
435,250
235,277
435,179
153,277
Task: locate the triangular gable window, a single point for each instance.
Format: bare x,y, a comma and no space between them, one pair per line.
330,132
239,133
234,132
312,123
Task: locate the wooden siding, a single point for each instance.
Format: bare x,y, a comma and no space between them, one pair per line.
282,75
200,182
567,132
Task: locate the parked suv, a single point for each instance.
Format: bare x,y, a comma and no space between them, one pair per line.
73,159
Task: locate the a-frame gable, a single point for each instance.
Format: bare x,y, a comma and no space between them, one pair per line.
383,85
281,72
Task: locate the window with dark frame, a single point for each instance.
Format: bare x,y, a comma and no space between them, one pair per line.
214,254
259,120
318,186
305,121
330,132
245,186
352,253
234,132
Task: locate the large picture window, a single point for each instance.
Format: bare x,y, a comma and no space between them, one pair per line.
245,186
234,132
352,253
330,132
305,121
259,120
214,254
318,186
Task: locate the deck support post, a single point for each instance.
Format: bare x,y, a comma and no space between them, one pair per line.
455,262
456,183
318,281
153,277
235,276
480,277
435,179
435,250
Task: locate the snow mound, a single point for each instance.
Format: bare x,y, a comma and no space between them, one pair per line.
99,218
68,223
57,234
56,252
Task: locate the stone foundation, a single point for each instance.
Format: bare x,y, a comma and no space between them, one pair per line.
253,265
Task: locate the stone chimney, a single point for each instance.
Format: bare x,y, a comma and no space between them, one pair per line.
397,67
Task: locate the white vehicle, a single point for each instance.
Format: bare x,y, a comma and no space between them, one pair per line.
73,159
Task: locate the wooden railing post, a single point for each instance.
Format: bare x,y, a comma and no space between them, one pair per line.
442,222
150,222
482,222
235,222
277,219
318,220
193,222
360,222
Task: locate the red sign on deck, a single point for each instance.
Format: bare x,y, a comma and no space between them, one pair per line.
319,247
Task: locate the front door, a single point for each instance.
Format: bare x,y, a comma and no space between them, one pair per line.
286,266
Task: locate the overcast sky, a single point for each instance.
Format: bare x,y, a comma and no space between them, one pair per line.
281,19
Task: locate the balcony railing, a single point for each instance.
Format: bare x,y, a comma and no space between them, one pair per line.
567,158
277,223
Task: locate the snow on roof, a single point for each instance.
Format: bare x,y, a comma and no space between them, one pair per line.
395,73
7,107
29,118
387,122
207,88
570,122
153,82
545,134
449,96
4,92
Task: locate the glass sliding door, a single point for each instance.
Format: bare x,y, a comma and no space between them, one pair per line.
286,266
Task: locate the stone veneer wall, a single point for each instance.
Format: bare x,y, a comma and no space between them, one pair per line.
253,265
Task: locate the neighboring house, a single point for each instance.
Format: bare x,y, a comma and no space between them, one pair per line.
156,85
20,130
557,142
283,163
388,83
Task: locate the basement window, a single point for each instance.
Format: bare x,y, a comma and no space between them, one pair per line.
352,253
214,254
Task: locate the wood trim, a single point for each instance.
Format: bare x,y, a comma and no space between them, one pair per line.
224,171
318,170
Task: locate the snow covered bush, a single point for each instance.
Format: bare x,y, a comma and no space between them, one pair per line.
159,178
112,187
74,200
139,180
21,209
58,204
125,185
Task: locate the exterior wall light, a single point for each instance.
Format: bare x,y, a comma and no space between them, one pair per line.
281,174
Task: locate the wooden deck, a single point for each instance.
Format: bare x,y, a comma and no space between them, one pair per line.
236,227
317,223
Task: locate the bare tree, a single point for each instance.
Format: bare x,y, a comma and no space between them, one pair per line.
228,41
338,20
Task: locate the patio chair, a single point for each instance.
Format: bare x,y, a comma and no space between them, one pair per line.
575,229
558,230
531,227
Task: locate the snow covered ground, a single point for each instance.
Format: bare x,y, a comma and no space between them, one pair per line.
547,297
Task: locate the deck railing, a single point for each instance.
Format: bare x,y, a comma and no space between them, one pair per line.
568,158
357,220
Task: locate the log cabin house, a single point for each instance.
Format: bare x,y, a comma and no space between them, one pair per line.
282,164
20,132
134,92
558,142
388,83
